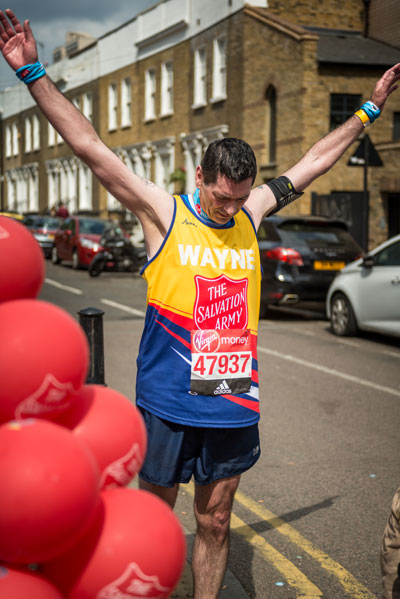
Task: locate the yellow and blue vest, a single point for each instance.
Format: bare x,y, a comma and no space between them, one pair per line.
207,277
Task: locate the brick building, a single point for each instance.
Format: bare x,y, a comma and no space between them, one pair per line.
159,88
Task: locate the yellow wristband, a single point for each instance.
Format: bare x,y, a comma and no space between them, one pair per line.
364,118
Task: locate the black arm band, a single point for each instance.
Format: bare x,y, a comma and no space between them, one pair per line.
284,192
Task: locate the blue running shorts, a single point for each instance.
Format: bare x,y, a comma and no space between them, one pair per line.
175,452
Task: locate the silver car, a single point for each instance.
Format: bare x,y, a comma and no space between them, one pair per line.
365,294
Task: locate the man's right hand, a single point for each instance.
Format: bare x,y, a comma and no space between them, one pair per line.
16,42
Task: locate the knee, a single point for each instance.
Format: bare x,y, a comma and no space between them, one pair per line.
214,525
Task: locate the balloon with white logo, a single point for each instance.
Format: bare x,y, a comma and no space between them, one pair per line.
22,266
44,357
113,429
49,490
134,548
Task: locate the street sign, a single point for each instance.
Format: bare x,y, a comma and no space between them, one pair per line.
366,154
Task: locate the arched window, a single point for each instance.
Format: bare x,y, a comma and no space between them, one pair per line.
270,121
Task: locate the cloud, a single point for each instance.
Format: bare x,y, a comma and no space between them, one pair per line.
51,19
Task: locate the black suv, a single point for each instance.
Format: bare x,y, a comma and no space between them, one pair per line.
300,255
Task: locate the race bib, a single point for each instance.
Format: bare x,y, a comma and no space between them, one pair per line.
221,361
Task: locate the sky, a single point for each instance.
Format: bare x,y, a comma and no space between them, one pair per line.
51,19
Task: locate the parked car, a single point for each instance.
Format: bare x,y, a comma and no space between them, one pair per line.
300,256
78,240
43,228
366,293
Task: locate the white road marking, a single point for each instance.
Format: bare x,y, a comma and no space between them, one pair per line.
347,342
64,287
331,371
392,353
123,307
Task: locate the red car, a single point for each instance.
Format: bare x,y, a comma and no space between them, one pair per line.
78,240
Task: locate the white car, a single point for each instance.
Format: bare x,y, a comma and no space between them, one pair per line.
365,294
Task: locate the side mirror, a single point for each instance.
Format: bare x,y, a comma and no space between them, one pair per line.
368,261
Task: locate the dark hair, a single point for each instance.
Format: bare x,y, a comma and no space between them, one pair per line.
231,157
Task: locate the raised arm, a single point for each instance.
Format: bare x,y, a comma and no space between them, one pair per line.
152,205
325,152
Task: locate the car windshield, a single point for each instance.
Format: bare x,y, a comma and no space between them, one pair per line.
91,227
48,222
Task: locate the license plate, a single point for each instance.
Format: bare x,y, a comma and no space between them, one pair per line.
328,265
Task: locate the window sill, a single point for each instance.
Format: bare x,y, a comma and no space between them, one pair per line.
165,115
149,119
112,129
218,99
126,125
198,105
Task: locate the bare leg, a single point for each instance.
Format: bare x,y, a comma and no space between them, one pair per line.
212,508
169,494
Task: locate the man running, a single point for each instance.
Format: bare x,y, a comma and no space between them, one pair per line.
197,383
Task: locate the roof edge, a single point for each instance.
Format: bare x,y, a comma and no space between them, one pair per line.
294,31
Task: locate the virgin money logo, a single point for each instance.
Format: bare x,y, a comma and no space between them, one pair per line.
134,584
220,303
206,341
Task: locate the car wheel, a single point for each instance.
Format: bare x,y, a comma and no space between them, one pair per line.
75,260
343,321
54,256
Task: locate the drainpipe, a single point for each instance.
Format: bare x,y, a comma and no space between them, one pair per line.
366,17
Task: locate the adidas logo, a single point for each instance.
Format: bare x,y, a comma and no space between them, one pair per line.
222,388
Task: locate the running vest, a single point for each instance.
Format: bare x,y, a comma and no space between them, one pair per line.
197,361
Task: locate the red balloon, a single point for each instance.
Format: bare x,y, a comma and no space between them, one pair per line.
113,429
44,357
135,548
22,266
49,490
21,583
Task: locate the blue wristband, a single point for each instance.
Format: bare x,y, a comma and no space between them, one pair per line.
371,110
30,72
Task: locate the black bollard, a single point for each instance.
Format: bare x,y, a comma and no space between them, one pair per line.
91,320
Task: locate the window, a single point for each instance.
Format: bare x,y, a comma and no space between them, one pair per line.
28,135
36,132
112,107
51,135
167,88
15,141
76,102
396,125
219,70
8,142
150,94
126,102
342,107
390,256
87,106
200,71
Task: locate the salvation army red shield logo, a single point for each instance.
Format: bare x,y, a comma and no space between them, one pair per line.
220,303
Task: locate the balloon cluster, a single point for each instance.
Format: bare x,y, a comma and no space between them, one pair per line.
68,450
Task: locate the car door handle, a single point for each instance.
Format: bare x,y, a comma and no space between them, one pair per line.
395,281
